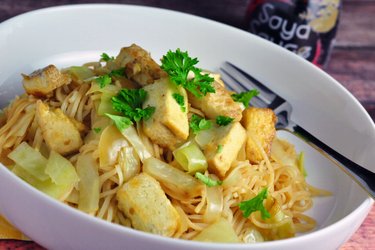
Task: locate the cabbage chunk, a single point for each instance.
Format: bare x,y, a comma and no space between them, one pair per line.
31,160
89,188
220,231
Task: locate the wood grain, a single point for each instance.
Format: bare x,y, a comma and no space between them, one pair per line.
356,28
352,62
353,58
354,68
364,238
231,12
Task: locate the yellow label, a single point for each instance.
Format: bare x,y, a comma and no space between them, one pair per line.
322,15
7,231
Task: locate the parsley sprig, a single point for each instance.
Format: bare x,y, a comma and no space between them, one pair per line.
178,64
180,100
223,120
219,149
255,204
106,79
207,180
245,97
103,80
106,58
129,103
198,123
97,130
121,122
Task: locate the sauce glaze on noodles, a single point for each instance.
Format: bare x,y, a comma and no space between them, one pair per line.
287,188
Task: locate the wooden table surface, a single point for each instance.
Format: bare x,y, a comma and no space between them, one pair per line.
352,61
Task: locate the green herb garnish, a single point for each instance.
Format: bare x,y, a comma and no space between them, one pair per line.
106,79
207,180
121,122
255,204
198,123
245,97
222,120
219,149
103,80
178,64
129,103
117,72
180,100
106,58
97,130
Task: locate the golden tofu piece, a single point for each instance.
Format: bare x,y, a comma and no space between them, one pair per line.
169,124
218,103
139,66
261,123
60,133
223,150
144,202
43,81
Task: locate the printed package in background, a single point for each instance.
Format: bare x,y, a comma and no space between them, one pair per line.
305,27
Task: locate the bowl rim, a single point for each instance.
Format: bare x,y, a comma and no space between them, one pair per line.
364,207
366,204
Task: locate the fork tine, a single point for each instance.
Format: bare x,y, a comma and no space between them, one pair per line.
237,87
248,82
257,102
283,109
231,83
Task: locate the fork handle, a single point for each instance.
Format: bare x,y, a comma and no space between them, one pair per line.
365,178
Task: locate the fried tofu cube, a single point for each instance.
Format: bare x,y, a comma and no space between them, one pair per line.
218,103
61,133
43,81
223,150
139,66
261,123
169,124
144,202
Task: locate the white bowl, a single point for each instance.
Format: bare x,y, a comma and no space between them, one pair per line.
75,34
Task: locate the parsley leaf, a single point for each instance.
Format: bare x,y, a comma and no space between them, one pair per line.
129,102
222,120
207,180
255,204
245,97
198,123
103,80
97,130
117,72
219,149
106,79
121,122
180,100
106,58
203,81
178,64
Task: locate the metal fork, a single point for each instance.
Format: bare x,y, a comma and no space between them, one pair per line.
238,80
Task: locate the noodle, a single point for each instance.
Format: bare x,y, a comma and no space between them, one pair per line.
20,115
289,195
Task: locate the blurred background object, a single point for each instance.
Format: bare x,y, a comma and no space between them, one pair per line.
352,61
305,27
